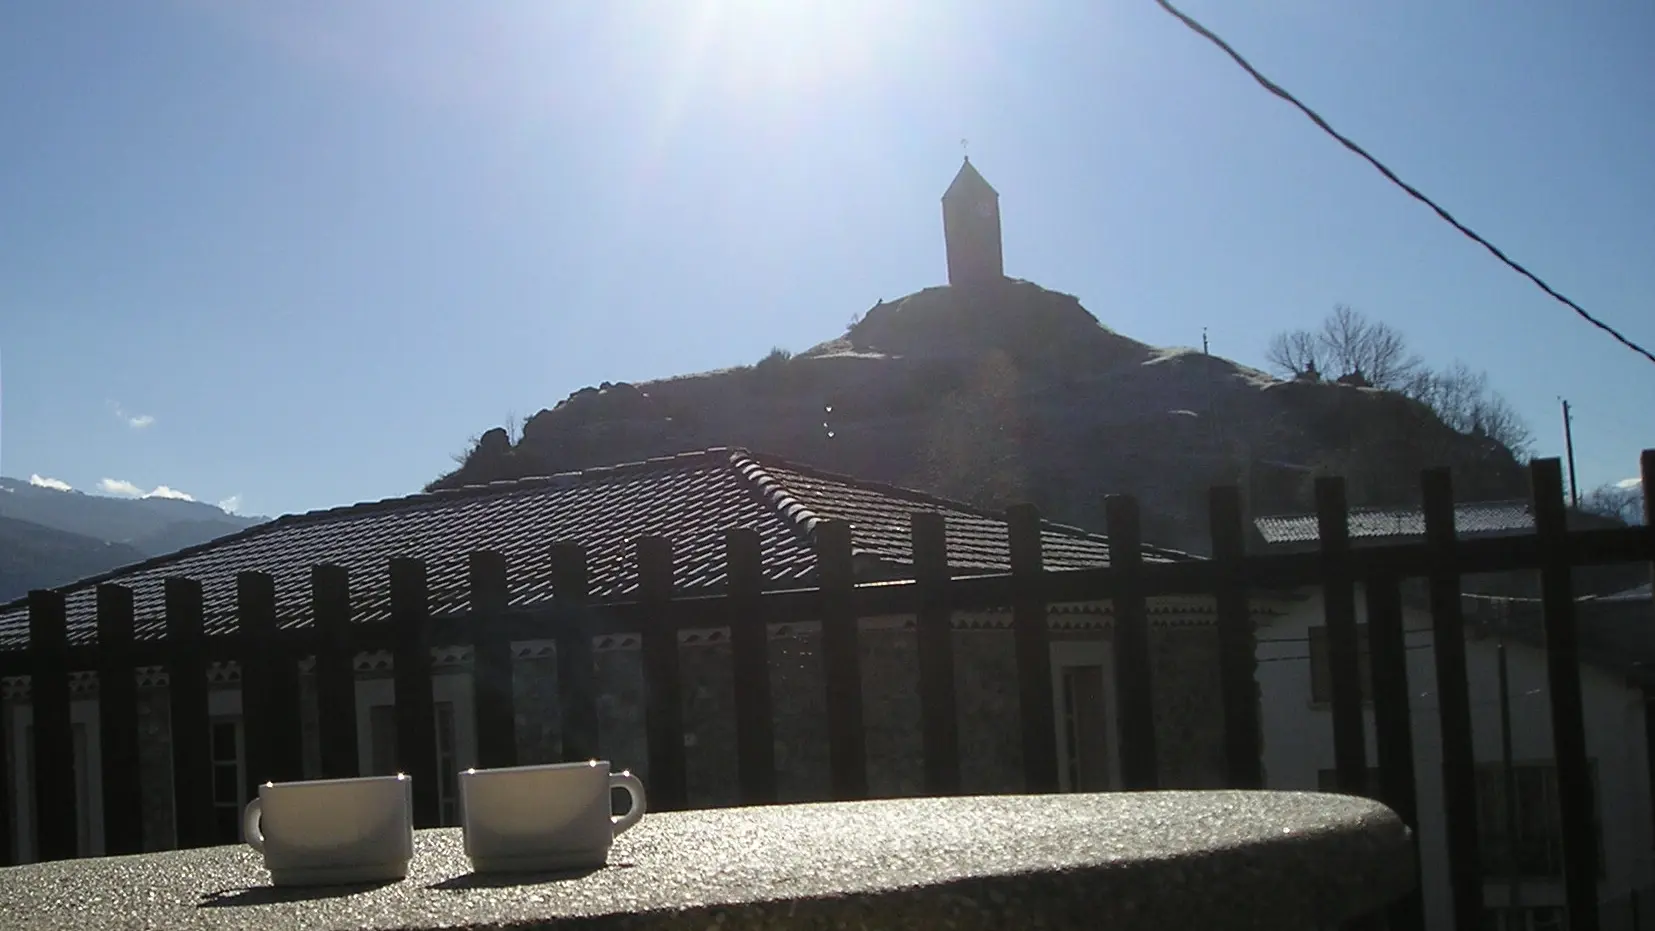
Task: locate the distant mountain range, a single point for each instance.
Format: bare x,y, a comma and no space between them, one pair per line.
50,537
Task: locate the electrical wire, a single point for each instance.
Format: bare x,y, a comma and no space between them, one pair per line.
1316,118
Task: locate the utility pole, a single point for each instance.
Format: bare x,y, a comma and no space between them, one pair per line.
1569,448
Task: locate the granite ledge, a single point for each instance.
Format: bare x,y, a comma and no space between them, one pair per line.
1121,860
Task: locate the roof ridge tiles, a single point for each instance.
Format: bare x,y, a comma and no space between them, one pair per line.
750,467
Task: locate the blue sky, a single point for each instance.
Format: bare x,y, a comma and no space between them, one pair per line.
295,254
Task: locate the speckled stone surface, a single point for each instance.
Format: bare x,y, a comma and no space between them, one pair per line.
1161,860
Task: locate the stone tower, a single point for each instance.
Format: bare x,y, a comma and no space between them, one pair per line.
971,227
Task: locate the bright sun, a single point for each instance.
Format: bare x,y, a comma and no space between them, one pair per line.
793,46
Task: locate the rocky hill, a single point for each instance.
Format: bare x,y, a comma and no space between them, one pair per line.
1010,393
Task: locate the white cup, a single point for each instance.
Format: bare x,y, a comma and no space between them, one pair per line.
333,831
544,818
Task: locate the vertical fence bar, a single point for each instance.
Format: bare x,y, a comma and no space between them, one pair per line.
663,685
841,662
1577,797
934,633
1344,656
330,597
1392,721
1393,727
574,653
1032,640
55,823
269,687
192,788
1459,767
750,646
1134,680
1646,470
1237,642
123,802
416,712
491,661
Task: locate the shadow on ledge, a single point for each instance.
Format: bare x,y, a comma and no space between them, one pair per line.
500,880
271,895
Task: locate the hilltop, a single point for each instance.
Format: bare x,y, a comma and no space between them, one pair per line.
1008,392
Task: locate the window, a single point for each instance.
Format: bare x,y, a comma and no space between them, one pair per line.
1327,780
1084,728
1531,848
229,790
1523,918
383,734
1321,665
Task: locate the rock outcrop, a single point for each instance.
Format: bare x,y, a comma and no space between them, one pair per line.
1018,393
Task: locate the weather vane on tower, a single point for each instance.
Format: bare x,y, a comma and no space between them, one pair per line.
965,147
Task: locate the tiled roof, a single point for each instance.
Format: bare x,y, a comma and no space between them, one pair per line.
691,499
1470,519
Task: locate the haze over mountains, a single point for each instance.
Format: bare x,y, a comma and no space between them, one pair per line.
50,537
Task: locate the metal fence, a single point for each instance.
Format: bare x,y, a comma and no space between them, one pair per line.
269,655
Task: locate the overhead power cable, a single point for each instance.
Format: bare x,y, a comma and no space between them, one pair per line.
1276,89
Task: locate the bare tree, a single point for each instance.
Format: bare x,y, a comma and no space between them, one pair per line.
1295,354
1622,500
1462,399
1354,345
1350,344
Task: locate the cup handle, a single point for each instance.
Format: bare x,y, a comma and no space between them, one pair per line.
250,825
634,788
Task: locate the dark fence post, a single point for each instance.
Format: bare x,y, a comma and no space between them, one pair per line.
192,787
416,712
663,688
123,801
1393,727
269,687
750,649
1032,640
491,661
842,661
1459,767
1577,797
1646,463
56,827
574,653
1237,641
934,633
1344,655
330,596
1134,679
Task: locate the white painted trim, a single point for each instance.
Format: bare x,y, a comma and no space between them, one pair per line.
1101,653
455,688
88,803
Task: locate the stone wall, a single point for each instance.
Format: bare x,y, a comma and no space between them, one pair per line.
1189,707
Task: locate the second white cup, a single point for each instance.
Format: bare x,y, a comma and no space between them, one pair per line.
544,818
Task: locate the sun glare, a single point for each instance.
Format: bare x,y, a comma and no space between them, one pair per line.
795,46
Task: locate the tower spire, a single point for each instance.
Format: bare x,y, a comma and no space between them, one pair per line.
971,228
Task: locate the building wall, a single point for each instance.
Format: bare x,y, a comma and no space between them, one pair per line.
1298,742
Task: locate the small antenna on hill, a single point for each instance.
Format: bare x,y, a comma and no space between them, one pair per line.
1204,342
